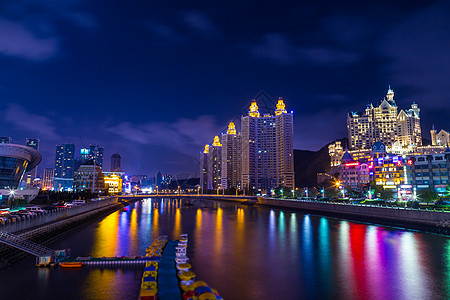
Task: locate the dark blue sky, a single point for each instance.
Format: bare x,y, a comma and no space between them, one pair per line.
156,80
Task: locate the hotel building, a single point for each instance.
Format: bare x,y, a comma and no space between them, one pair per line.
384,124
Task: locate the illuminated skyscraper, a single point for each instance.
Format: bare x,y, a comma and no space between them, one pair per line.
204,168
96,153
267,149
215,165
64,167
384,124
231,158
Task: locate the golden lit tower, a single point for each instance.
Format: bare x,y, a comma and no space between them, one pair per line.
214,165
231,158
204,168
267,149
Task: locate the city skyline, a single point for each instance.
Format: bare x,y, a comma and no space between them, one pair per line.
89,83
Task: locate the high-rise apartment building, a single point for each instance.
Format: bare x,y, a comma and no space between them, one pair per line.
47,179
96,153
64,167
384,124
31,175
215,164
267,149
5,140
115,162
204,168
231,158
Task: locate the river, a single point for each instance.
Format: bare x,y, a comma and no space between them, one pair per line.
246,253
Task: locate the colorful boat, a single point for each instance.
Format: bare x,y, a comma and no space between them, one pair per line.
71,264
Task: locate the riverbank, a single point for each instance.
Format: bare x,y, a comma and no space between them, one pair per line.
432,221
46,230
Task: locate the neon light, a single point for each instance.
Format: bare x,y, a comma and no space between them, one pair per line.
352,164
399,163
410,162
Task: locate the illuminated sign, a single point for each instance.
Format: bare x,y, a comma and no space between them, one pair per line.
399,163
352,164
410,162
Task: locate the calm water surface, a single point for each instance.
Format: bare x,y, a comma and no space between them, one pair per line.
247,253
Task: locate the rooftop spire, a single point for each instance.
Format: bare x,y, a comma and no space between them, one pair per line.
254,112
281,107
217,141
206,149
231,128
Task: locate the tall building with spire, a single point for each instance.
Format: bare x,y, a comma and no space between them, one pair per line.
231,158
384,124
267,149
439,139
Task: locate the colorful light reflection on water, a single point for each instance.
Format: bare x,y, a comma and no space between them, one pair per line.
251,253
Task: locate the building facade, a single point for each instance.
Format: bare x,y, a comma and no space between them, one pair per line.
89,177
267,149
440,139
64,167
204,168
215,165
31,175
15,160
96,153
115,162
47,179
384,124
231,158
113,183
429,171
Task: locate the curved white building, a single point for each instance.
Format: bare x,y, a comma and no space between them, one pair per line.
15,160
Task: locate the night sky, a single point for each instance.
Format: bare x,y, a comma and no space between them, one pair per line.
156,80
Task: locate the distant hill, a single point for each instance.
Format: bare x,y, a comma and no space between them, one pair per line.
308,163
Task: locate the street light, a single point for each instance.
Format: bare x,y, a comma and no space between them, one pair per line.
323,193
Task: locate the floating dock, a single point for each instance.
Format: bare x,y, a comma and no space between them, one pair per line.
167,276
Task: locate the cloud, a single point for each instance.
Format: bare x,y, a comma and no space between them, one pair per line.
200,23
16,40
83,19
184,135
41,126
165,32
278,48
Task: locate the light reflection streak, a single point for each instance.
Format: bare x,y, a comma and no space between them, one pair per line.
272,230
412,277
218,247
106,236
155,225
345,262
325,258
177,227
